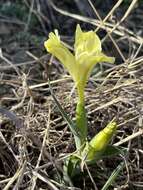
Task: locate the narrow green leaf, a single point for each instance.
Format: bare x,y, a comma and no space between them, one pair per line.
64,114
113,150
72,166
108,152
113,176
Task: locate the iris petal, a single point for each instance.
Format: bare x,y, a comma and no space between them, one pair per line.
86,42
55,47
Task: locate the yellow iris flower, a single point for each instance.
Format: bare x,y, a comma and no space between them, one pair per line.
87,53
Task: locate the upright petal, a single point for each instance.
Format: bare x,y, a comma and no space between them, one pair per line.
86,42
78,33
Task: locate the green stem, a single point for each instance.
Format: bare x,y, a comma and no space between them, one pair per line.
81,120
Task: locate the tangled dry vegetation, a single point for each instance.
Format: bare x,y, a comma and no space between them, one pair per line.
34,138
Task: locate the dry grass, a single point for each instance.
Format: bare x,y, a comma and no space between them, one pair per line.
33,136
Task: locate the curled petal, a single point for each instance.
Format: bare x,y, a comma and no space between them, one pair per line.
54,46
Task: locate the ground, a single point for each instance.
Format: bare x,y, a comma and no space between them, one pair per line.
34,138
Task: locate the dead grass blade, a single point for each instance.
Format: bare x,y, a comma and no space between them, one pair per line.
46,180
34,179
116,28
134,135
18,174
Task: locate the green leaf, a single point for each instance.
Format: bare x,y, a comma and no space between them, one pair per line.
113,150
70,123
109,151
71,169
73,166
113,176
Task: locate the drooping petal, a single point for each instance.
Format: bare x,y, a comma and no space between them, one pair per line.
104,58
86,63
54,46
